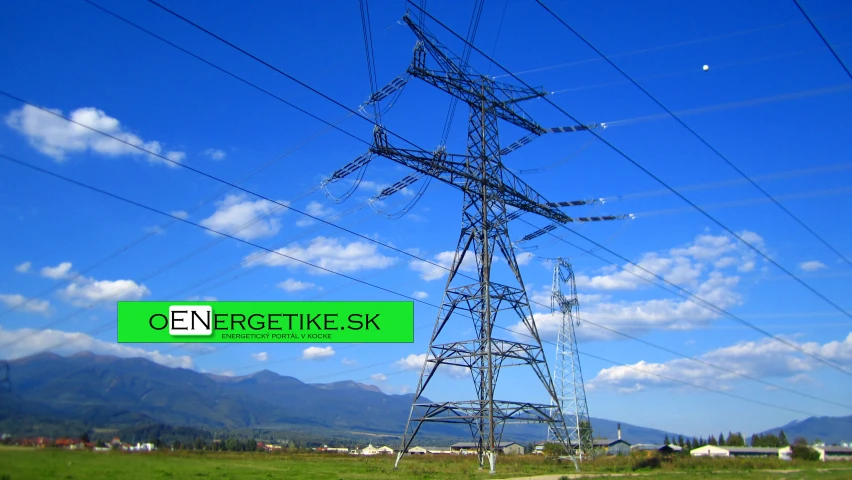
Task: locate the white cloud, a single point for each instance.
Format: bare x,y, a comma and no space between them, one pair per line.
524,258
316,209
377,187
260,357
704,267
180,214
812,266
58,272
763,359
379,377
420,295
317,353
24,304
430,272
682,265
215,154
635,388
330,253
291,285
88,291
206,298
24,342
56,137
24,267
246,219
414,362
349,361
639,316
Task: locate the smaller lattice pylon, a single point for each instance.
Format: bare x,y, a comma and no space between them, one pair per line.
568,376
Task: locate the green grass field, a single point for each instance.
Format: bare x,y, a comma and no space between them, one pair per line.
17,463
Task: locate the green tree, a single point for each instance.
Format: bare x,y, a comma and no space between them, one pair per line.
680,440
804,452
721,439
801,441
176,445
199,443
782,439
712,440
666,440
553,450
84,437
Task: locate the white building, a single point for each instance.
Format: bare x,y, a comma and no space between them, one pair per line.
369,450
831,454
751,452
385,450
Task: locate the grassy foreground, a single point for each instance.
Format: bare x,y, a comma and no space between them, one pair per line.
17,463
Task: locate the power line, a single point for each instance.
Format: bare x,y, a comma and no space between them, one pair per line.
687,294
226,72
132,202
698,136
656,178
213,177
335,102
288,76
672,379
211,230
713,365
824,40
167,224
665,47
265,63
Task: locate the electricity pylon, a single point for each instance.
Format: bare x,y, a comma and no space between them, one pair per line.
568,375
488,189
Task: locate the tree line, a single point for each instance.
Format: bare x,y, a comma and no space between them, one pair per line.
733,439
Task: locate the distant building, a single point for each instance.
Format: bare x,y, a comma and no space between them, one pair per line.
612,447
750,452
508,448
385,450
605,445
653,447
439,450
830,454
369,450
417,451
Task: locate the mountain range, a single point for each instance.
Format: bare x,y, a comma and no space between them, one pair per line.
85,391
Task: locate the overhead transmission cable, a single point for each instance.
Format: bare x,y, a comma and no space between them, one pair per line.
556,106
710,147
657,179
368,48
157,230
314,90
657,48
686,294
824,40
152,209
276,252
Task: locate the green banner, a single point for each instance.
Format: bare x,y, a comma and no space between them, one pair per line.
265,322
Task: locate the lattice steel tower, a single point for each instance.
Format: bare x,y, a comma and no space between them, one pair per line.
568,376
488,189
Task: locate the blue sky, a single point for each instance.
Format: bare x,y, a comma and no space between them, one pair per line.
774,101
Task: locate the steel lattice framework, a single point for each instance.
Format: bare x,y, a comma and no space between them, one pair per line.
488,190
568,375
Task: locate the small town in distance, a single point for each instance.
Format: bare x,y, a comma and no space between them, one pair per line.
732,447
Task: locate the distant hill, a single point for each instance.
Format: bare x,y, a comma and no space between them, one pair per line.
830,430
103,391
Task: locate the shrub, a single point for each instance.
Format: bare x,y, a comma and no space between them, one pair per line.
804,452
